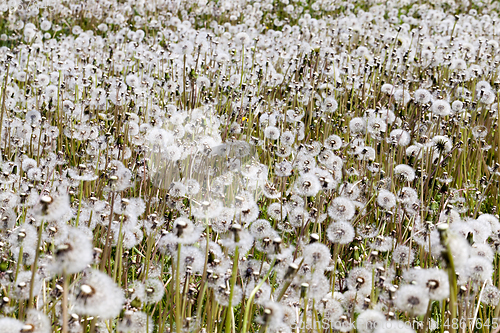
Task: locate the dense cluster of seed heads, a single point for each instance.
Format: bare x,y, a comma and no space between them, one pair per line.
244,165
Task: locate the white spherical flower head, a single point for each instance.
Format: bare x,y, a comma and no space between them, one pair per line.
74,254
457,106
98,295
369,320
360,280
404,172
136,321
388,88
479,269
399,137
422,96
272,133
357,125
333,142
329,105
307,185
403,255
45,25
340,232
412,298
435,281
491,295
341,209
386,199
317,255
441,108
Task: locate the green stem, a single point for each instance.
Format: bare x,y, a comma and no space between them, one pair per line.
252,295
229,311
79,204
65,303
178,319
34,266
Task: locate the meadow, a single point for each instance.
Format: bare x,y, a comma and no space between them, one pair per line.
245,166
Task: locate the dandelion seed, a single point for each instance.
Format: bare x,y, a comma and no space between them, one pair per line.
10,325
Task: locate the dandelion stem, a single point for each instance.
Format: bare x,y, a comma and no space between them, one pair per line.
229,311
252,296
34,265
178,314
65,303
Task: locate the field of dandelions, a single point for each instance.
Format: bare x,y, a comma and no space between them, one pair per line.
249,166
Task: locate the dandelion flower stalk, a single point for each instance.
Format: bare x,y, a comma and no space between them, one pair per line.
65,303
34,265
248,305
448,257
229,312
178,306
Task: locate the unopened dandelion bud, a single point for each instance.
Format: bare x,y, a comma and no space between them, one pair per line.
303,289
85,289
313,212
75,318
45,199
277,244
392,291
27,328
292,268
267,315
180,226
236,229
313,238
366,303
23,196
